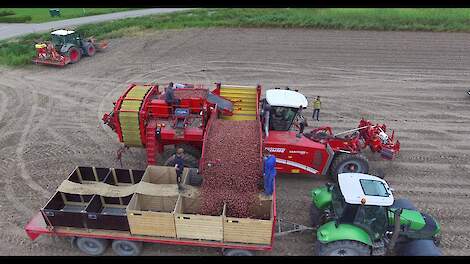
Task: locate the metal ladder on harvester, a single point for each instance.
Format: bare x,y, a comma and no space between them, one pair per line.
244,101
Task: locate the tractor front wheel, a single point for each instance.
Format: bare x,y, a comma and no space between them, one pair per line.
349,163
343,248
74,54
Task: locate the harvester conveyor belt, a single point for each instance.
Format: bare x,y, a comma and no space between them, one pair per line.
129,115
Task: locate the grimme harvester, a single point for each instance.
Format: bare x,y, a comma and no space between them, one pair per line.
66,46
141,118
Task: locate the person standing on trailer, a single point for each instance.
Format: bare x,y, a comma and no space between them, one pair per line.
316,108
269,172
170,95
179,166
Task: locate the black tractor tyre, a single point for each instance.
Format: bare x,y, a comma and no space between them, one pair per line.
167,158
90,49
342,160
127,248
342,248
74,54
315,215
404,203
92,246
237,252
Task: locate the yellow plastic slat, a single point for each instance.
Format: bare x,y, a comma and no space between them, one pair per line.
241,91
239,117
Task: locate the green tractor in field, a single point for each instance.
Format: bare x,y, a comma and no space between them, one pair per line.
66,46
358,216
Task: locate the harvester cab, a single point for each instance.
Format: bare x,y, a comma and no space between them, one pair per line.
359,216
281,109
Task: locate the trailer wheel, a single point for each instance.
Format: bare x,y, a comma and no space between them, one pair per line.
92,246
237,252
167,158
74,54
344,163
127,248
342,248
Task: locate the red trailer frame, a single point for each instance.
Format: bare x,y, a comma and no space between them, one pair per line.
37,227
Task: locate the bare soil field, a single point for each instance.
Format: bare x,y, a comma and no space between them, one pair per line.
50,118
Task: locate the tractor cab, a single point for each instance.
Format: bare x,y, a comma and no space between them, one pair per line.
62,37
359,216
281,109
362,200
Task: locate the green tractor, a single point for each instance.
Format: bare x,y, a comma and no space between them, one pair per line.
358,216
66,46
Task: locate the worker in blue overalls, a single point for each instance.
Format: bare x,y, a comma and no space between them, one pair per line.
179,166
269,172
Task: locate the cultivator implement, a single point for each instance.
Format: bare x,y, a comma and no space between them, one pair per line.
47,54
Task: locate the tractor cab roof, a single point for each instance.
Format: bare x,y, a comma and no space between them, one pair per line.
286,98
358,188
62,32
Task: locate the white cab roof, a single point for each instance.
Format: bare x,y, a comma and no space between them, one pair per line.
286,98
355,186
62,32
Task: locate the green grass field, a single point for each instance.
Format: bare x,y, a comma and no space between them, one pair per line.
20,51
39,15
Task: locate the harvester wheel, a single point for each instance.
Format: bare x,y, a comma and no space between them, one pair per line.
167,158
127,248
342,248
344,163
92,246
74,54
90,49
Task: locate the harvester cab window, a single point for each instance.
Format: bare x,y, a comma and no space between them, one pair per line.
281,118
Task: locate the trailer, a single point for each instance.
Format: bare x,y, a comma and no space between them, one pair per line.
92,233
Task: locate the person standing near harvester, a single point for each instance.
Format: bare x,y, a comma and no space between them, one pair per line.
269,172
179,166
316,108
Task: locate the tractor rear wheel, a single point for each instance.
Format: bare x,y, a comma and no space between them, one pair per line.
167,158
74,54
344,163
90,49
342,248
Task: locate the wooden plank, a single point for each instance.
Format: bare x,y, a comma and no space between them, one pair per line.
152,215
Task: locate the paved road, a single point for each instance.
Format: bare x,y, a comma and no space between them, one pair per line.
8,30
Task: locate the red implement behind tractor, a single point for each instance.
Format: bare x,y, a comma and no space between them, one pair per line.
142,118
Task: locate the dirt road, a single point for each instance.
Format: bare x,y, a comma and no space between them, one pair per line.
415,82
